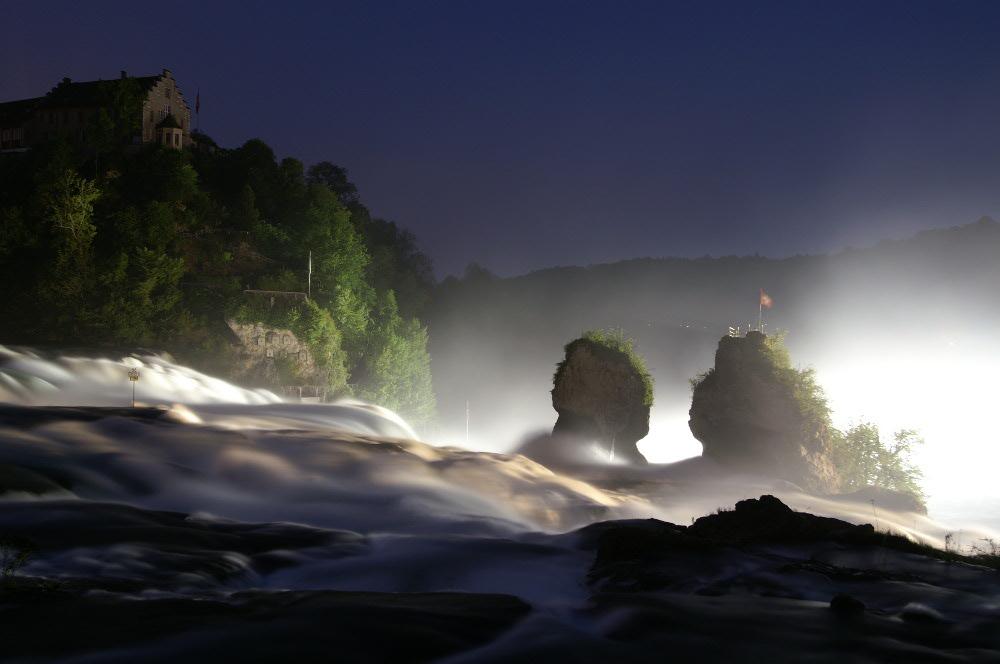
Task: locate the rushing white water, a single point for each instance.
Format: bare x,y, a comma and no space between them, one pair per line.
246,454
30,378
216,489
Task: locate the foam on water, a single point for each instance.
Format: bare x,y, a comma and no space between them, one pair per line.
244,454
30,378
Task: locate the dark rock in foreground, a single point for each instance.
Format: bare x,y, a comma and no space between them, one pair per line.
304,626
767,519
758,583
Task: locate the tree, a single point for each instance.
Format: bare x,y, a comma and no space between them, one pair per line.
335,179
864,459
397,371
117,122
397,264
67,205
159,246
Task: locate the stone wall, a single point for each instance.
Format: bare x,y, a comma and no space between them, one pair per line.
265,353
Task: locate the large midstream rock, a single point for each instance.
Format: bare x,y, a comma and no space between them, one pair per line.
747,416
601,397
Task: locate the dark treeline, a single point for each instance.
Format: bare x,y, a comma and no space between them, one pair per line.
108,245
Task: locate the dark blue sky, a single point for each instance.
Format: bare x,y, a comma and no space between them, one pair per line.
524,135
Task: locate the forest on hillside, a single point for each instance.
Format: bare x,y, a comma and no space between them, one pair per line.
108,245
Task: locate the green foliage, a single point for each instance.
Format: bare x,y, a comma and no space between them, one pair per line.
396,370
335,179
152,245
615,342
114,126
398,265
860,456
807,393
68,206
864,459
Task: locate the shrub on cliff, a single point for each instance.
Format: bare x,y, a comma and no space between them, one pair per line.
612,341
859,456
603,393
808,394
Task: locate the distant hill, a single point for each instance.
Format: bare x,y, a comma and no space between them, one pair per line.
494,342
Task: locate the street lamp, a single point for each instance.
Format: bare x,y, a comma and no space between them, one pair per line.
133,377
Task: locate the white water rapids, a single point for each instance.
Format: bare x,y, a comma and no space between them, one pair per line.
235,453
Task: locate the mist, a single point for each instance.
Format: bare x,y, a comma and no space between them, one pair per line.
901,334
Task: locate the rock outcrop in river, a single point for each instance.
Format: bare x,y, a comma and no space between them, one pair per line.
603,394
754,412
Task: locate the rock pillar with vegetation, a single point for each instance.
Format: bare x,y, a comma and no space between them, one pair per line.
603,393
754,412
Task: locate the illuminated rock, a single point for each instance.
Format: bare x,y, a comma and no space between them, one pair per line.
603,396
753,412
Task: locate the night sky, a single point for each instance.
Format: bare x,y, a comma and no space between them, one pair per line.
525,135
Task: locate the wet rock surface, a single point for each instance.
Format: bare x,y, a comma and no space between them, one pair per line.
158,541
304,626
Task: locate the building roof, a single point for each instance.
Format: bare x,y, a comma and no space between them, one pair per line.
91,93
15,113
75,94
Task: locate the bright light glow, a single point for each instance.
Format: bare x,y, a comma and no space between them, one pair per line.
947,392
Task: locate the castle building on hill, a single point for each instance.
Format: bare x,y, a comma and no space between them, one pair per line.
69,110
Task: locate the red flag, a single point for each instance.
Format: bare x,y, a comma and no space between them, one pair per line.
197,102
765,299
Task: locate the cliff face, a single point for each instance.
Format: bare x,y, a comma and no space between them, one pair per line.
748,415
276,358
601,396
